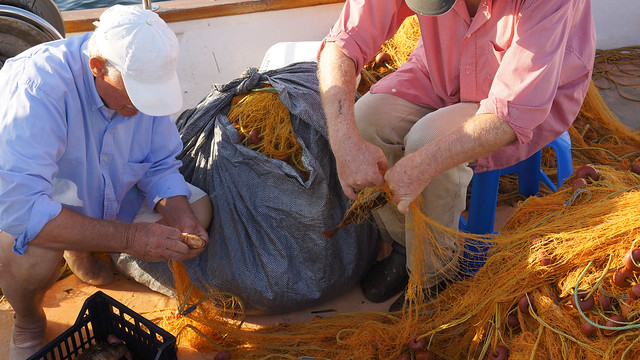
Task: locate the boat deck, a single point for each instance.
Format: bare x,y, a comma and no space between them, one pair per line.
64,300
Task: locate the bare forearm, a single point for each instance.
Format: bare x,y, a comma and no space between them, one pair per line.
174,209
337,77
146,241
479,136
359,163
72,231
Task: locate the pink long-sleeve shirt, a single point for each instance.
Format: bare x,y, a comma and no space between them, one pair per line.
527,61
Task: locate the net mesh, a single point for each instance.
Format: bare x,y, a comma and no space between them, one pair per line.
558,249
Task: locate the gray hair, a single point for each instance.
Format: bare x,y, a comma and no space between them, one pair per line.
92,48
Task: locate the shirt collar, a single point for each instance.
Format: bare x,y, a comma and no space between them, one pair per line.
484,8
89,80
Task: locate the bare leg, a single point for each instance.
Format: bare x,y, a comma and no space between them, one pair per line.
89,268
24,279
203,209
199,202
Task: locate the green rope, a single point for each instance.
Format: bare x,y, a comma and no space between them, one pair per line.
576,300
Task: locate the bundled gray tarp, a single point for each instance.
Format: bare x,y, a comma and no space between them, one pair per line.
267,244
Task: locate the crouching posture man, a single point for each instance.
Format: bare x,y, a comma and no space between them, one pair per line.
88,147
490,80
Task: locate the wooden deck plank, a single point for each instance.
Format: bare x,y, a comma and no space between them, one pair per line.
182,10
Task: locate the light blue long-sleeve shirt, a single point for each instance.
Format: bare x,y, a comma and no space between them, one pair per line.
58,146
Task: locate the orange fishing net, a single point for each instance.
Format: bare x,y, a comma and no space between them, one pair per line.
393,53
264,125
557,249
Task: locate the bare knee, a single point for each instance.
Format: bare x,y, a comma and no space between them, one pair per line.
203,209
26,275
438,124
384,120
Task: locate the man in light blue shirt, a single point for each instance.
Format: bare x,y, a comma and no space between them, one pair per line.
87,144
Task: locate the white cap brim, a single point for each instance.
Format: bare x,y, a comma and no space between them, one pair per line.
155,99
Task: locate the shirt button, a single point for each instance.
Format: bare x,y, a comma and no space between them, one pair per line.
393,90
105,158
468,69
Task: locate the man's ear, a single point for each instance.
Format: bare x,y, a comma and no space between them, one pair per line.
98,66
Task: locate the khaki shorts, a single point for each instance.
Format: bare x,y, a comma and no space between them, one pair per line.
400,127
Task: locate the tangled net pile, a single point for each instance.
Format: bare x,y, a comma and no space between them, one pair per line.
618,67
579,245
264,125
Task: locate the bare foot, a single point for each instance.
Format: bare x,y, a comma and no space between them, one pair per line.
27,338
89,268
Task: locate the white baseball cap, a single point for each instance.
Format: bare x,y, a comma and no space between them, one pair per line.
145,51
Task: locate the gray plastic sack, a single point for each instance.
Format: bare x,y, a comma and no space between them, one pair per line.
266,238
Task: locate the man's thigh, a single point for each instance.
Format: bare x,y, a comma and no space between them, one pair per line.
384,120
31,271
437,124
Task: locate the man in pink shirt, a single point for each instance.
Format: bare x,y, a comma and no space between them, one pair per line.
491,81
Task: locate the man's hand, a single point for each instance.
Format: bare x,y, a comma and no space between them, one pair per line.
155,242
193,241
177,213
406,179
192,227
359,166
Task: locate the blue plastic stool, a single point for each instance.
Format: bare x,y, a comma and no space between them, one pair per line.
484,196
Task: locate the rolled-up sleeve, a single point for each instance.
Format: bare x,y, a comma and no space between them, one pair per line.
28,162
43,210
537,65
364,25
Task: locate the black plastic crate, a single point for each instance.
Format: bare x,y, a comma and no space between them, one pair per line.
101,315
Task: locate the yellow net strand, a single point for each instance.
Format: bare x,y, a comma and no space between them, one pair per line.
596,225
617,67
